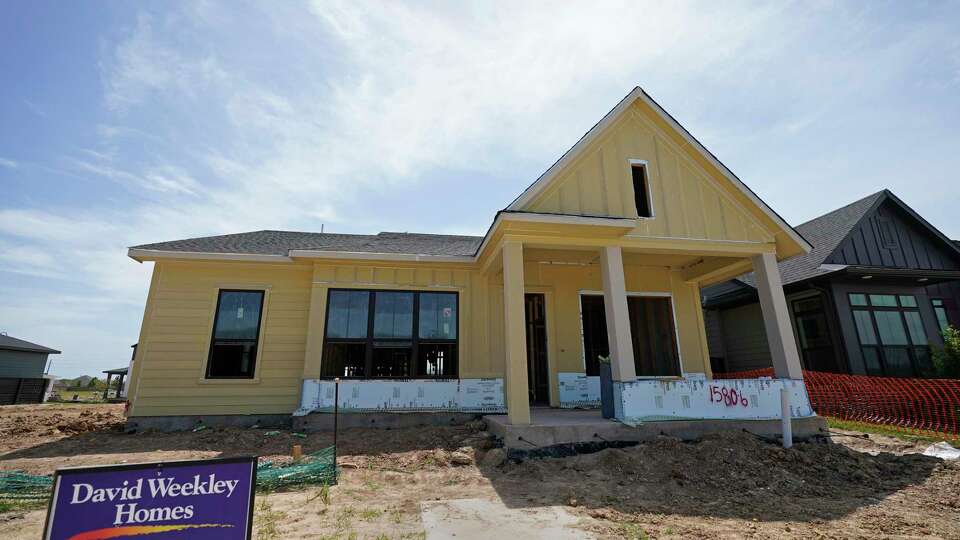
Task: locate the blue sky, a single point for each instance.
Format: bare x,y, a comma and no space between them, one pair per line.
125,123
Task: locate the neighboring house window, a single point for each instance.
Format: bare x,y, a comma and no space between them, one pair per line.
652,329
236,334
813,334
387,334
891,334
941,312
641,190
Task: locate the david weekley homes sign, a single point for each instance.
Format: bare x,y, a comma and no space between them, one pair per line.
180,499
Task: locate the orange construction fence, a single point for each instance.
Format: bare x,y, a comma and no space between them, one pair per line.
921,404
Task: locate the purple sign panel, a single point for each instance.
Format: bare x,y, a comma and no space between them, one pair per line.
180,499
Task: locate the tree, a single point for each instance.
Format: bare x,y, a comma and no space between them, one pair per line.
946,361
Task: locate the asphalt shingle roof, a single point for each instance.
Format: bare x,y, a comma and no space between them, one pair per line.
13,344
281,242
824,233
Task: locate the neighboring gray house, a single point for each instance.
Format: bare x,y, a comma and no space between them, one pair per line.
22,369
871,298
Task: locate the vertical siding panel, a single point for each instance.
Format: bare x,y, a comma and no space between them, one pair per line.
691,199
658,180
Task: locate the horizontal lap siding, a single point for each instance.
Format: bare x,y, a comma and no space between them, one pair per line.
745,338
176,340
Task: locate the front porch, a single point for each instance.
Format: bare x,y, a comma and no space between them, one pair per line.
660,368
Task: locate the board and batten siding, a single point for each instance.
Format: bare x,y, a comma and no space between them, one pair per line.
168,376
688,199
889,237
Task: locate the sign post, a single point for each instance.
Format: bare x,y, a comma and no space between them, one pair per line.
336,410
203,499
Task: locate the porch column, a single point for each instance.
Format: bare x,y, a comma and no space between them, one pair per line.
618,316
776,318
515,335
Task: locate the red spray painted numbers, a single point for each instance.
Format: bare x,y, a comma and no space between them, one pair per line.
728,396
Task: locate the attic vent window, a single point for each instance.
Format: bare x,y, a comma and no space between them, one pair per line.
641,189
887,235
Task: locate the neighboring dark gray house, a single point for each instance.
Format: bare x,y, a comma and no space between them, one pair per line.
22,369
871,298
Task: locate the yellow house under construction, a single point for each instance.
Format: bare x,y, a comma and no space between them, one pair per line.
603,256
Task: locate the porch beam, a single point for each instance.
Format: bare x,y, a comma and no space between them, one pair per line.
618,315
776,318
715,269
515,335
647,244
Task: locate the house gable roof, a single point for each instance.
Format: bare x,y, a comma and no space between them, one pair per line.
270,245
638,95
828,234
280,243
9,343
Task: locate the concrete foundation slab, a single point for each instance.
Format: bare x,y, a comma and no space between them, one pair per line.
321,421
483,518
553,427
186,422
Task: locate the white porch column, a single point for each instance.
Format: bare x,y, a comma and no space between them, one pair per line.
515,335
618,317
776,318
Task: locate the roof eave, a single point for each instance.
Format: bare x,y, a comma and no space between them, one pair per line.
142,255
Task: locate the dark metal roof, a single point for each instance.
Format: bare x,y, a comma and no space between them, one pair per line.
117,371
281,242
13,344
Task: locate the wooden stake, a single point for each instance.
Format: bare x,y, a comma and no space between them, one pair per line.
297,452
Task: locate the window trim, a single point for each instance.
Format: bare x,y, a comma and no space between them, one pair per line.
653,294
261,331
414,339
879,345
645,165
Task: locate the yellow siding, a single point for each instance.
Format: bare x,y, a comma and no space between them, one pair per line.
690,200
178,324
175,339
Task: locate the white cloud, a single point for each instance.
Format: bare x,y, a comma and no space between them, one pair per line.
8,163
289,115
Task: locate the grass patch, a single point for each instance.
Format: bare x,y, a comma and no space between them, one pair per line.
880,429
370,514
265,519
20,506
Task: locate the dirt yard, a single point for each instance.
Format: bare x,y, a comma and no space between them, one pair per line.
726,486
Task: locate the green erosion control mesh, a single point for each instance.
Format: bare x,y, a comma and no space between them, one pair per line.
317,468
24,487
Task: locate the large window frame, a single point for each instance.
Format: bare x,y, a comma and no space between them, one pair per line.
915,351
254,343
591,366
370,343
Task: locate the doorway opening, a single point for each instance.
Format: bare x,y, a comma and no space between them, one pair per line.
538,376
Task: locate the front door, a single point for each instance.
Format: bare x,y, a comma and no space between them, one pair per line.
537,371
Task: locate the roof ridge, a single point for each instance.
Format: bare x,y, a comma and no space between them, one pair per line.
844,207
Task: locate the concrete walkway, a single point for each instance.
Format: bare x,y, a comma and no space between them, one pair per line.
484,518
